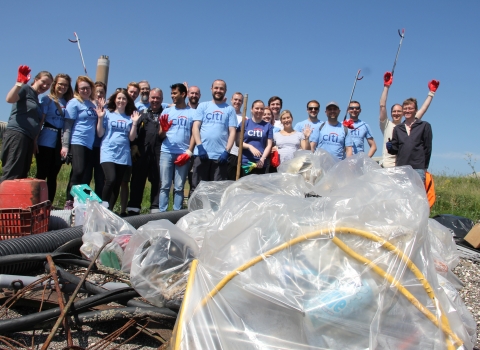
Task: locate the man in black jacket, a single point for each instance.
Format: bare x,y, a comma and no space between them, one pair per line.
147,165
412,140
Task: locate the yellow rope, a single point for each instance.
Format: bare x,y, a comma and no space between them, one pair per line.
179,325
445,327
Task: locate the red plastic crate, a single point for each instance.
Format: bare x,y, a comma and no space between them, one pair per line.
23,222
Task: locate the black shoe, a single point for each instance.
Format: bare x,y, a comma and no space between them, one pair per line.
133,213
123,215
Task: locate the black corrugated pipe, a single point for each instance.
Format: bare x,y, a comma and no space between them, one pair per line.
50,241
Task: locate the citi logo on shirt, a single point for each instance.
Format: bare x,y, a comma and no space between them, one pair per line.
332,137
355,132
57,113
119,125
216,116
182,121
91,112
257,132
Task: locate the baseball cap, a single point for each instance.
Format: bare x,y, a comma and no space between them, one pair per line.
332,103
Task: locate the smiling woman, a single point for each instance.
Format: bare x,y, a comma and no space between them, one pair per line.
24,123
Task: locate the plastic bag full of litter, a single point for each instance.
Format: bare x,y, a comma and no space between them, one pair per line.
352,269
103,226
161,263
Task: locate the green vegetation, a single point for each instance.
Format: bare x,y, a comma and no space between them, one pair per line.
458,196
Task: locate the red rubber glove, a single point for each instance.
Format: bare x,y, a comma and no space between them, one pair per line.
164,123
275,159
182,159
433,85
348,123
23,74
387,79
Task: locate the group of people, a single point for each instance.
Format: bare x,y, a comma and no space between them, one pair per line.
121,143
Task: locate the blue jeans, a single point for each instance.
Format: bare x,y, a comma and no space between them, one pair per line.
421,172
169,172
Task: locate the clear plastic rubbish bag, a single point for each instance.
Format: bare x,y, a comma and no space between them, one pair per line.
161,262
102,226
207,195
196,223
312,166
352,269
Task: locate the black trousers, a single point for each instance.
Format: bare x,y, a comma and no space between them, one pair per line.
232,167
48,166
98,175
208,170
113,179
17,153
82,165
146,167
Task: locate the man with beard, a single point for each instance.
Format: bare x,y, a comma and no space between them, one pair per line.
147,165
214,129
193,96
332,136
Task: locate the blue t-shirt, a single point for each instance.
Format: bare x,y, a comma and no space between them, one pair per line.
214,131
313,126
256,134
359,134
332,139
276,129
85,125
141,106
49,137
177,138
115,145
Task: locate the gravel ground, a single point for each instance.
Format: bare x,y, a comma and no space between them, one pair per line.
469,273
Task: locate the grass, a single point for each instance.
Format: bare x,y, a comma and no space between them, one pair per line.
62,182
457,195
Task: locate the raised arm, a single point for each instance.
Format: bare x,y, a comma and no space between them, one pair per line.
432,86
100,114
387,81
22,78
134,130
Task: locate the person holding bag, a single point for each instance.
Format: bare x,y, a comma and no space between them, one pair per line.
49,141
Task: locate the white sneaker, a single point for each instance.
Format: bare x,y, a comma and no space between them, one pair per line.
154,211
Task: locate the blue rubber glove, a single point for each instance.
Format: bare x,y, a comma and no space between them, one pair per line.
223,158
389,145
202,153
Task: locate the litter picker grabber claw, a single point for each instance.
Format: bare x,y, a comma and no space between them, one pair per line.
402,35
79,49
353,90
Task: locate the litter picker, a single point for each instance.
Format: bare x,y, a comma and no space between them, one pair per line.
353,90
242,131
402,35
77,40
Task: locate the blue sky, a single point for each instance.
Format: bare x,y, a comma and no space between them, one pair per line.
298,50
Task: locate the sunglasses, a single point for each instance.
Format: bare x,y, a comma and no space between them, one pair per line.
354,108
313,108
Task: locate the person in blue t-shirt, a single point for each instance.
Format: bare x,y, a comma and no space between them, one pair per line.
117,127
49,141
177,147
361,131
332,136
313,108
79,132
213,129
257,141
